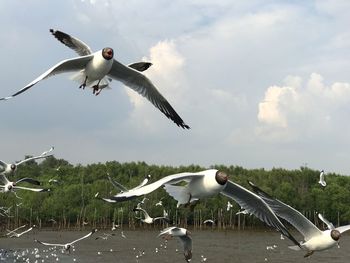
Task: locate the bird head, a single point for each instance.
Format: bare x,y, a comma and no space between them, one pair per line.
221,177
13,167
107,53
335,235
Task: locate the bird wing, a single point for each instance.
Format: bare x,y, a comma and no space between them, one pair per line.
49,244
29,229
288,213
330,226
48,151
86,236
30,189
29,180
32,158
145,214
68,65
117,185
168,230
170,179
256,205
141,84
186,242
4,179
14,231
72,42
144,182
342,229
3,165
140,66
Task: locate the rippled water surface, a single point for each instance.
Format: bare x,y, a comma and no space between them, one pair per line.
145,246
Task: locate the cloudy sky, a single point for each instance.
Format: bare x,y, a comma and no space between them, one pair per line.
261,83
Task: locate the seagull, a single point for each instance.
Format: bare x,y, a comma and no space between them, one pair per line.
94,69
147,219
10,168
122,234
14,231
206,184
184,236
209,221
243,212
66,246
105,236
14,234
12,186
114,226
314,238
160,202
322,181
229,206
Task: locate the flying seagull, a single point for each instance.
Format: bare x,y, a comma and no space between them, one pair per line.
15,234
12,186
206,184
185,237
322,181
314,238
8,168
9,232
147,219
66,246
94,69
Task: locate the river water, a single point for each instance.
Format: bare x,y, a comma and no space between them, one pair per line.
145,246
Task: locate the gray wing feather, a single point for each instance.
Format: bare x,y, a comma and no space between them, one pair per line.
142,85
72,42
67,65
255,205
288,213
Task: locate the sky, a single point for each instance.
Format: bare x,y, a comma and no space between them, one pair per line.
262,84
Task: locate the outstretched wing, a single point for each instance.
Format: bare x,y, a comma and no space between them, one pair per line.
31,189
288,213
72,42
28,180
49,244
342,229
171,179
141,84
256,205
117,185
86,236
68,65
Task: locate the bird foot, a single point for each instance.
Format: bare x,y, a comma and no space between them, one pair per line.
96,90
82,86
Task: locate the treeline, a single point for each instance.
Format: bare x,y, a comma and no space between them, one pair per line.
71,203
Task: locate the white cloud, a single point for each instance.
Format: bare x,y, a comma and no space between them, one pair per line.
297,111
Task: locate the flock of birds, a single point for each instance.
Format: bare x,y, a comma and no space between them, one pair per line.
96,70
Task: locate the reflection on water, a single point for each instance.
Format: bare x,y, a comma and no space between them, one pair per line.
145,246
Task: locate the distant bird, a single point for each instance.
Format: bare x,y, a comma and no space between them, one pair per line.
9,232
12,186
66,246
114,226
95,69
105,236
14,234
55,181
147,219
243,212
229,206
315,239
10,168
209,222
322,181
122,234
185,237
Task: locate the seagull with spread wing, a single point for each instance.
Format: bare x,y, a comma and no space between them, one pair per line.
10,168
96,70
185,237
314,238
66,246
147,219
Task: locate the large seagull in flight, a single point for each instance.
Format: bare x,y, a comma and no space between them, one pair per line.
97,69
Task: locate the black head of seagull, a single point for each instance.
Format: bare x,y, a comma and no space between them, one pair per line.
221,177
13,167
107,53
335,235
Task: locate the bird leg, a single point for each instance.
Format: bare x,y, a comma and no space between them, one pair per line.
308,254
84,83
96,88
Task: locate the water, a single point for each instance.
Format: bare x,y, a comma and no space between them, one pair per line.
141,246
